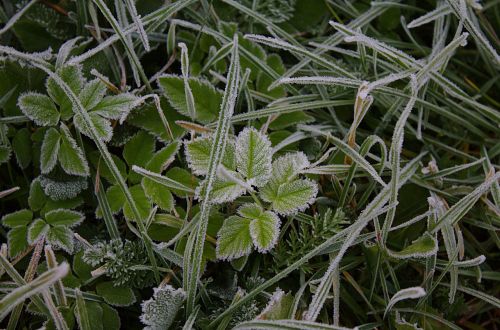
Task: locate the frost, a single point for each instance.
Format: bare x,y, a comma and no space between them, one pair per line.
408,293
159,312
254,156
39,108
62,190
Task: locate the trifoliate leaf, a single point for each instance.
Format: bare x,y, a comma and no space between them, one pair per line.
62,237
71,156
18,218
36,230
159,312
63,217
92,93
423,247
115,295
116,106
234,239
198,154
292,196
102,126
50,150
207,98
39,108
71,75
254,156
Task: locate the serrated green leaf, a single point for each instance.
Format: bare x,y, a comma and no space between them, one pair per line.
234,239
92,93
116,106
50,150
39,108
292,197
265,230
17,241
37,198
198,154
17,218
61,236
63,217
139,150
223,190
254,156
71,156
36,230
207,98
102,125
115,295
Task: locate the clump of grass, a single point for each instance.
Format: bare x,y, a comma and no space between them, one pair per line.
266,164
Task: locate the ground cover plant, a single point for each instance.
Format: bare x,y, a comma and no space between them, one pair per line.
249,164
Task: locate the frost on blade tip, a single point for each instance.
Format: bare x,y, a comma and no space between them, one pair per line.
254,156
159,312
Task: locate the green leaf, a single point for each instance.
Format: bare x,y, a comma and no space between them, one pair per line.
234,239
16,239
278,307
92,93
265,229
71,156
71,75
21,144
139,150
423,247
39,108
116,106
17,218
37,198
63,217
95,313
142,202
158,193
264,81
292,197
110,318
159,312
50,150
198,154
207,98
36,230
102,125
4,153
223,190
254,156
61,236
115,295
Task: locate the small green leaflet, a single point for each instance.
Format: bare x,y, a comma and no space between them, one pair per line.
39,108
159,311
252,227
